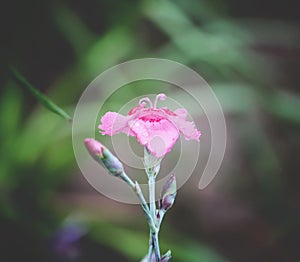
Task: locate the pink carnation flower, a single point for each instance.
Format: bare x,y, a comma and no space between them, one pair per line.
156,128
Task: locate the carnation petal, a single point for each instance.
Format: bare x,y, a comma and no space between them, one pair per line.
181,112
187,128
113,123
159,137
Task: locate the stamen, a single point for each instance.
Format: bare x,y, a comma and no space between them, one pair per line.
146,99
159,97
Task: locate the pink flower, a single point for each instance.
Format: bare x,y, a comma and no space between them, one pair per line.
156,128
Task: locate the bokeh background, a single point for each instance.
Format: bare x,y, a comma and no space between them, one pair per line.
248,51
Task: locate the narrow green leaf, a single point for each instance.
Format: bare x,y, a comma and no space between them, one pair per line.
41,98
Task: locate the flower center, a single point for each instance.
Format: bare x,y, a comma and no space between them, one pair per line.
151,118
146,100
159,97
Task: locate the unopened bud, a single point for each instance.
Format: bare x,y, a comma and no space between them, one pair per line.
103,156
168,194
94,147
166,257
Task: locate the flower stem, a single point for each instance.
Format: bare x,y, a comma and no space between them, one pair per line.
156,246
151,183
150,251
153,242
161,214
136,188
150,213
145,207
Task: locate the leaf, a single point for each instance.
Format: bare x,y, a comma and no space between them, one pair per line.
46,102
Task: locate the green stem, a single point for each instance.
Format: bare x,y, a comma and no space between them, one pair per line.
136,188
161,214
156,246
150,251
151,183
152,166
153,234
128,180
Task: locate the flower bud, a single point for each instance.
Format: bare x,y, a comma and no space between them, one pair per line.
94,147
103,156
166,257
168,194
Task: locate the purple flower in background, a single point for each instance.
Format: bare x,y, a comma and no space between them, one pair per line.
65,241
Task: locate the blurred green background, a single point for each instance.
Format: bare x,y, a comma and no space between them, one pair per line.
248,51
